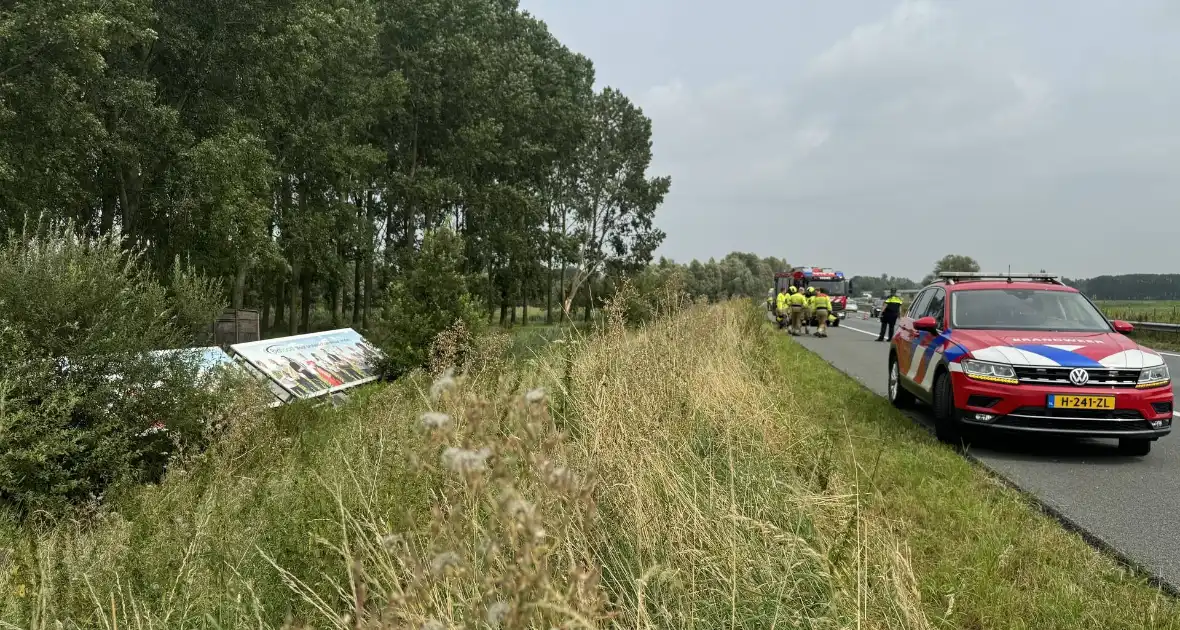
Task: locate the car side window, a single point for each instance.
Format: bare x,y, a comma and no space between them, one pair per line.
919,303
936,307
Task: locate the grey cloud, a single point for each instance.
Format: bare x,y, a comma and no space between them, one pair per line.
1037,139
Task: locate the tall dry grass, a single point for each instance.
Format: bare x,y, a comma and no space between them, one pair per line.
671,476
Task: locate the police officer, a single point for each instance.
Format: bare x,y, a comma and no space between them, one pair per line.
821,304
889,314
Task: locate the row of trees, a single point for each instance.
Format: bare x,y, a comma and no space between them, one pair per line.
301,149
1139,286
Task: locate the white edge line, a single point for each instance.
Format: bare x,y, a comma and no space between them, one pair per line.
1175,414
863,332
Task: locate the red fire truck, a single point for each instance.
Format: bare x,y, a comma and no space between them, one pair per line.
831,281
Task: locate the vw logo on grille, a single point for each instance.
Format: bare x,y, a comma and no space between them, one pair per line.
1079,377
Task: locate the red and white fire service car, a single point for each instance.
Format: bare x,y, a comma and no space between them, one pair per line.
1026,353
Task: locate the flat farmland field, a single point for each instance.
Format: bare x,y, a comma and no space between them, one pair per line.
1165,311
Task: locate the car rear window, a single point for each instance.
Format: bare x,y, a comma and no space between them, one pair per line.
1025,309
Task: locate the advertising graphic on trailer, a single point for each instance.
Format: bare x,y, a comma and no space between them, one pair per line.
316,363
212,359
207,358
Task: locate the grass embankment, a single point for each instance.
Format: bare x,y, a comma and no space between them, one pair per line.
700,473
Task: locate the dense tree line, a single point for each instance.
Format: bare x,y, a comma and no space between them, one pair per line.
1137,286
302,150
737,275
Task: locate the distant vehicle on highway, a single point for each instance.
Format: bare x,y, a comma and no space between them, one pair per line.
1026,353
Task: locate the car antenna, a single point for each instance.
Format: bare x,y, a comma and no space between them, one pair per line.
1009,273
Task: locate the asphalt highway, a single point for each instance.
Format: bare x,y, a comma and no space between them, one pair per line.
1131,504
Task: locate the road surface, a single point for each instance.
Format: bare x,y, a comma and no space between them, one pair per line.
1131,504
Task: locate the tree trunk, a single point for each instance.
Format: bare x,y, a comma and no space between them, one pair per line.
110,203
549,294
515,293
491,294
293,297
264,319
305,303
589,302
239,296
370,255
337,289
356,291
280,303
503,291
524,306
368,312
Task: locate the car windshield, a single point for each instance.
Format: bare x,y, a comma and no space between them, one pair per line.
831,287
1025,309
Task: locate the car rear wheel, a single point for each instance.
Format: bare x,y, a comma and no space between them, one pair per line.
898,395
1134,447
947,426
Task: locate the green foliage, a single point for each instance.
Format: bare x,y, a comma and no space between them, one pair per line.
738,275
880,286
951,262
78,321
614,201
299,151
427,299
1135,286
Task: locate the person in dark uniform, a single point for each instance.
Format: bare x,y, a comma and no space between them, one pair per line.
890,314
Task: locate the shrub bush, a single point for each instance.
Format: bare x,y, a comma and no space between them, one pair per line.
431,296
84,404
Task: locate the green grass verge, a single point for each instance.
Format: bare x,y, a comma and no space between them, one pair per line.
984,555
700,472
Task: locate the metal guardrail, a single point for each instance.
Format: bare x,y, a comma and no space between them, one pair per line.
1156,326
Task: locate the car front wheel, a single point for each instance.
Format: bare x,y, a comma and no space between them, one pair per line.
1134,447
947,426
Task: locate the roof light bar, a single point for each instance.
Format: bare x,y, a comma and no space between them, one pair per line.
956,276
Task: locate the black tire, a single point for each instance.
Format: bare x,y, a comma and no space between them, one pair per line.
947,426
1134,447
899,396
836,324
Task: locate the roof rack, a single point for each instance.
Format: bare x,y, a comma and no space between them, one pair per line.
953,277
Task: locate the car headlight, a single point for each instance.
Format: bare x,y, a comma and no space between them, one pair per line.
993,372
1154,376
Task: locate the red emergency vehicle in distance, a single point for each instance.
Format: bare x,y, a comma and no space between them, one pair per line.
831,281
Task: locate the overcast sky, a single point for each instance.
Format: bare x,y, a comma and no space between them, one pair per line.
877,135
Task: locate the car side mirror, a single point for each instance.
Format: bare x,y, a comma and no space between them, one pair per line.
1122,327
928,324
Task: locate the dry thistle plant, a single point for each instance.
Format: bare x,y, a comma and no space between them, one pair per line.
470,353
503,543
449,347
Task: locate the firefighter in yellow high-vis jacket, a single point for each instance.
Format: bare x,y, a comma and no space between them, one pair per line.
821,305
798,304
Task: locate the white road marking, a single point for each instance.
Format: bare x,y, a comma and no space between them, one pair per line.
1175,414
863,332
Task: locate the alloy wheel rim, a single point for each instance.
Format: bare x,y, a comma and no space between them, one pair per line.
893,380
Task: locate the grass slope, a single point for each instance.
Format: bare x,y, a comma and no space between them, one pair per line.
698,473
